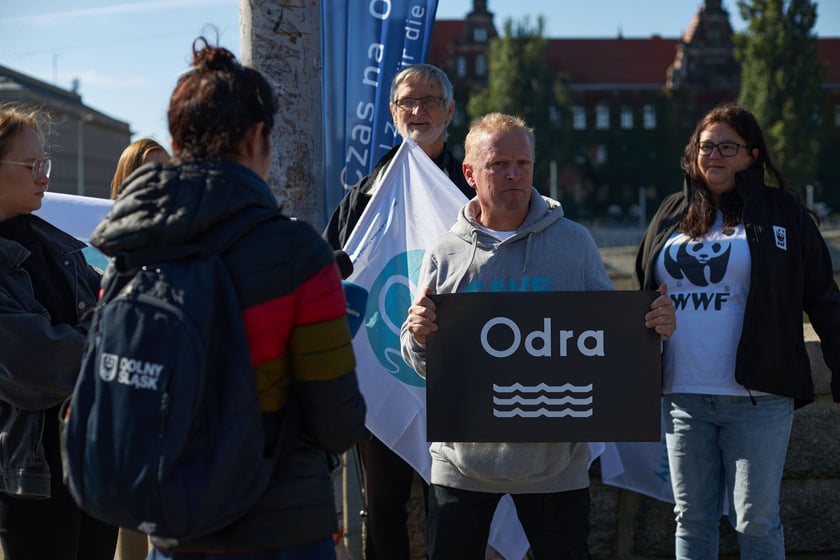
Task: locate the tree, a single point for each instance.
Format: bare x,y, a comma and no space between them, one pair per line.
281,40
781,79
521,83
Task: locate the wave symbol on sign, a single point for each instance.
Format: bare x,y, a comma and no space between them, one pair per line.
550,401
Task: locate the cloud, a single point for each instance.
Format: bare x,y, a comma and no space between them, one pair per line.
93,78
46,19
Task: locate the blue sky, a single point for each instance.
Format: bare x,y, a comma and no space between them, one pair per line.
127,54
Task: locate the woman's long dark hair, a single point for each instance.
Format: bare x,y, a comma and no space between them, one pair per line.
702,206
215,103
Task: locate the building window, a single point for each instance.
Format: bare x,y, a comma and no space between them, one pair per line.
579,118
461,67
554,115
649,117
626,117
480,35
480,65
600,155
602,117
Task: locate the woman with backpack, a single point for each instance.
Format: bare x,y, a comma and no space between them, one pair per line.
290,299
47,290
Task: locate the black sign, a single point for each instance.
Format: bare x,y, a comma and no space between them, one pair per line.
542,367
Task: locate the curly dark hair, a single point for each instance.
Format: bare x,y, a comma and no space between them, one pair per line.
702,206
215,102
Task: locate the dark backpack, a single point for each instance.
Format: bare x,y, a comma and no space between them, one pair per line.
163,432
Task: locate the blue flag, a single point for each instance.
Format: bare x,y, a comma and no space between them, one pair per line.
364,44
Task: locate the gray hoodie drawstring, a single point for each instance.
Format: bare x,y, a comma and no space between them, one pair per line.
527,253
474,236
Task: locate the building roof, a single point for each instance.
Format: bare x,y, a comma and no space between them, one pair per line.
18,87
613,61
829,52
12,81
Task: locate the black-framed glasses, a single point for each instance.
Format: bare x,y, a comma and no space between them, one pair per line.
39,167
725,149
429,103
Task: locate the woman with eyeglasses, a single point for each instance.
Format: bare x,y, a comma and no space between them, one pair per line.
742,259
46,292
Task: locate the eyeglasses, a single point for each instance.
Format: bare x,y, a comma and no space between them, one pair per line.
409,104
725,149
39,167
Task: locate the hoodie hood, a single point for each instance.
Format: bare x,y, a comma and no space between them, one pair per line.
542,212
173,204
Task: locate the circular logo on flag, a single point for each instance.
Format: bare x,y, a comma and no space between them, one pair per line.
389,298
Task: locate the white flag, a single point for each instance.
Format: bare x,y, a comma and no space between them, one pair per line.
414,204
639,466
76,215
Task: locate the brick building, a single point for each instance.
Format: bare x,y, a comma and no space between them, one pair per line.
635,103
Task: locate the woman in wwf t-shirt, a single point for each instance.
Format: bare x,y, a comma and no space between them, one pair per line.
742,260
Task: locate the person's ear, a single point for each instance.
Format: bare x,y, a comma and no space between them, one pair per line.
754,154
253,144
468,174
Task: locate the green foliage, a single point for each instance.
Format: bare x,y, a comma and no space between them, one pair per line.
781,79
521,83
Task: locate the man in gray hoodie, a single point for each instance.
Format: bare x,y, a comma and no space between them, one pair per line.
508,235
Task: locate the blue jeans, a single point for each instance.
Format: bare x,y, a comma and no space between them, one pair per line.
458,525
318,550
720,444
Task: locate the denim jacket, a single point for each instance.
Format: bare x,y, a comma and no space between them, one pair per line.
39,361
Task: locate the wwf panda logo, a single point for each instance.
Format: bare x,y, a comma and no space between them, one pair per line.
702,263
